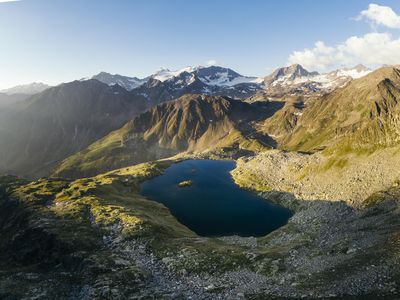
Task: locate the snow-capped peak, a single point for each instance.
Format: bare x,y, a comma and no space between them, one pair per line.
295,79
289,74
128,83
211,75
219,76
166,74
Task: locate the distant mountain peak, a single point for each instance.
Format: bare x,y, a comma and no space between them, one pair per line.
28,89
295,80
288,73
353,72
102,73
165,74
128,83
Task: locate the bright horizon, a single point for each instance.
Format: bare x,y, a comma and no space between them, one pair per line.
60,41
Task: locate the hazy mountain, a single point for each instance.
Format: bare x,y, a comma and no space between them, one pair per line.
128,83
6,100
29,89
37,133
295,80
191,123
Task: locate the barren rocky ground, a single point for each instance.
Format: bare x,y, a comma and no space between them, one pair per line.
350,178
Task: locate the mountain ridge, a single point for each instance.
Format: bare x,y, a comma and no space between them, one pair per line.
128,83
190,123
28,89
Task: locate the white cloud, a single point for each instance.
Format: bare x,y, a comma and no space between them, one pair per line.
319,57
3,1
380,15
211,62
373,49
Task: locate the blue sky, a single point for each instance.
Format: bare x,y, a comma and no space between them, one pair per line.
60,40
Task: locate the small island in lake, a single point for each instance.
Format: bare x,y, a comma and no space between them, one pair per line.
185,183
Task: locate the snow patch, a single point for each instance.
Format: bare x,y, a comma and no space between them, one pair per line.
165,74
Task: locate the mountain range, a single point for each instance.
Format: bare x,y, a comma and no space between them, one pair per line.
64,120
165,85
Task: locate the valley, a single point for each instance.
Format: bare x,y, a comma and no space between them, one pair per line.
311,172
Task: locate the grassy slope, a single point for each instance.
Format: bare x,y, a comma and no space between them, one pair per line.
362,116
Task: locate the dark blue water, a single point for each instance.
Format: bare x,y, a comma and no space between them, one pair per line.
213,205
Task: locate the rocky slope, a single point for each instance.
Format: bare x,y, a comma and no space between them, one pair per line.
37,133
353,133
351,177
191,123
87,238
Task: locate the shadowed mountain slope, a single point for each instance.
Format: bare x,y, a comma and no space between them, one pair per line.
37,133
